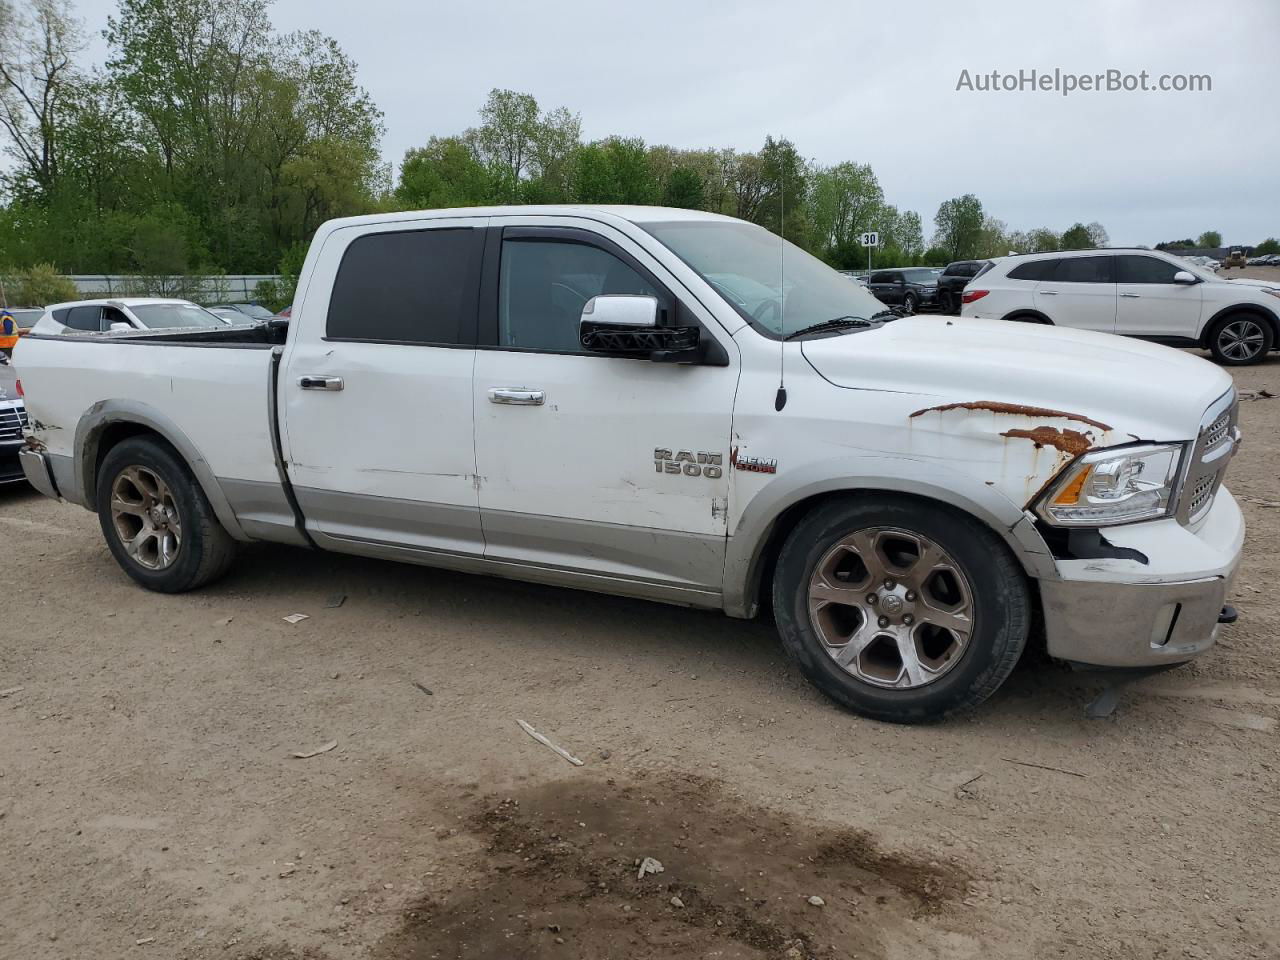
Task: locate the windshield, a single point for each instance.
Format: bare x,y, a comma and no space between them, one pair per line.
922,275
745,263
167,316
255,311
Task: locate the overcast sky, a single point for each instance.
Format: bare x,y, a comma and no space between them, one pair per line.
869,82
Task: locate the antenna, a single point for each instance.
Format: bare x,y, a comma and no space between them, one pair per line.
780,400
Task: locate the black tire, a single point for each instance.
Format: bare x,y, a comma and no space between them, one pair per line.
205,549
1225,346
909,304
1001,597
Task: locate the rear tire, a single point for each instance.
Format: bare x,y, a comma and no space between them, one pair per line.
1240,339
946,628
157,522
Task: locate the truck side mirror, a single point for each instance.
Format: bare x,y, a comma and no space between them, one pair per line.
626,325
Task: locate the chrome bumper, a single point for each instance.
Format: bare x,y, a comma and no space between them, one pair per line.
39,474
1126,613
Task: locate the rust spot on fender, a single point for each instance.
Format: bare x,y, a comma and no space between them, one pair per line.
1015,409
1068,441
35,445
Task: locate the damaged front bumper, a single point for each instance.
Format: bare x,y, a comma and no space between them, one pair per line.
1156,605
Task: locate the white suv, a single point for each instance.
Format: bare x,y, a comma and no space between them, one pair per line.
1137,293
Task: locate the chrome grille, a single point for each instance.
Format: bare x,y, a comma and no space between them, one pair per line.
1215,444
13,420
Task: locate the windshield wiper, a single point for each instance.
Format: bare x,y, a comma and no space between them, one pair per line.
837,323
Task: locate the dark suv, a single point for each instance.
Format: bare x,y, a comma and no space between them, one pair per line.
911,288
952,282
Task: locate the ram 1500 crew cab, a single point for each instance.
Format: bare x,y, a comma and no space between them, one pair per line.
676,406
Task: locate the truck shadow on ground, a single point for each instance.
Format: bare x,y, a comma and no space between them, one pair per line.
588,626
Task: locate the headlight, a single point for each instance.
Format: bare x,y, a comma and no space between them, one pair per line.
1114,486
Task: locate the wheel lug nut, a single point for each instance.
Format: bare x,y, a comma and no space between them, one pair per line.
908,619
883,621
872,599
889,584
911,595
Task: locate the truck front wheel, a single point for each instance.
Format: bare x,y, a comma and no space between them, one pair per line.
898,609
157,521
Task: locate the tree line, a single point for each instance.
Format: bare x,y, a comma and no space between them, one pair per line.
209,143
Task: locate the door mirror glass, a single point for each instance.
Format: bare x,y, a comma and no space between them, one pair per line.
626,310
1183,276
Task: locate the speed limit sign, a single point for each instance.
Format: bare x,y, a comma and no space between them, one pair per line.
871,239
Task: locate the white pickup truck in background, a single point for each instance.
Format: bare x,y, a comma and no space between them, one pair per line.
676,406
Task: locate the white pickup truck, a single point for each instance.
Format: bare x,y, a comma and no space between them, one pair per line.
676,406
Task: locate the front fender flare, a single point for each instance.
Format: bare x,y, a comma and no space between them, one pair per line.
744,556
106,412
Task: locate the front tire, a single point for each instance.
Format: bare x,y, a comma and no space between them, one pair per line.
1240,339
898,609
909,304
157,522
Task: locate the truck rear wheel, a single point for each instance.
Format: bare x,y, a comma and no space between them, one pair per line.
900,610
157,521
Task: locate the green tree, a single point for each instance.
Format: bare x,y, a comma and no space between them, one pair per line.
39,285
444,173
958,227
1076,237
36,80
1267,246
1210,238
683,189
615,170
1042,240
845,201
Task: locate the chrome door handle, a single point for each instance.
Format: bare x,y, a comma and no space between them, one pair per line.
1132,296
517,396
1047,293
320,383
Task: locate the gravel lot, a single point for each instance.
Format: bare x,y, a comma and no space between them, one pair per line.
150,805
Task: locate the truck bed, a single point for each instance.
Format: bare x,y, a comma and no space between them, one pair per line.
211,390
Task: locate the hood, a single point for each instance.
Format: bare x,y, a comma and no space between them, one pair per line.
1119,389
1250,282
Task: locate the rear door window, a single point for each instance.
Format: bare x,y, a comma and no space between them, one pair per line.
881,278
1084,270
412,286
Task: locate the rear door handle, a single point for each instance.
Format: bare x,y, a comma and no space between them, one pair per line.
1047,293
517,396
1131,296
320,383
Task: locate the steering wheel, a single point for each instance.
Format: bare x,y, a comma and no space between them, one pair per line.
764,309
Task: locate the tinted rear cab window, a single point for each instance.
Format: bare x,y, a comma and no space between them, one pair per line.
413,286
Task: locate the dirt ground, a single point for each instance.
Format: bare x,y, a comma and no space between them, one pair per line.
150,805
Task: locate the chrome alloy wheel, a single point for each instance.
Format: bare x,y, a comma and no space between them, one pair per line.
145,517
891,607
1241,339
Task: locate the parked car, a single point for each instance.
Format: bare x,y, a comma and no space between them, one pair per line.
1137,293
13,421
251,312
1235,258
134,313
912,288
286,313
621,399
952,280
